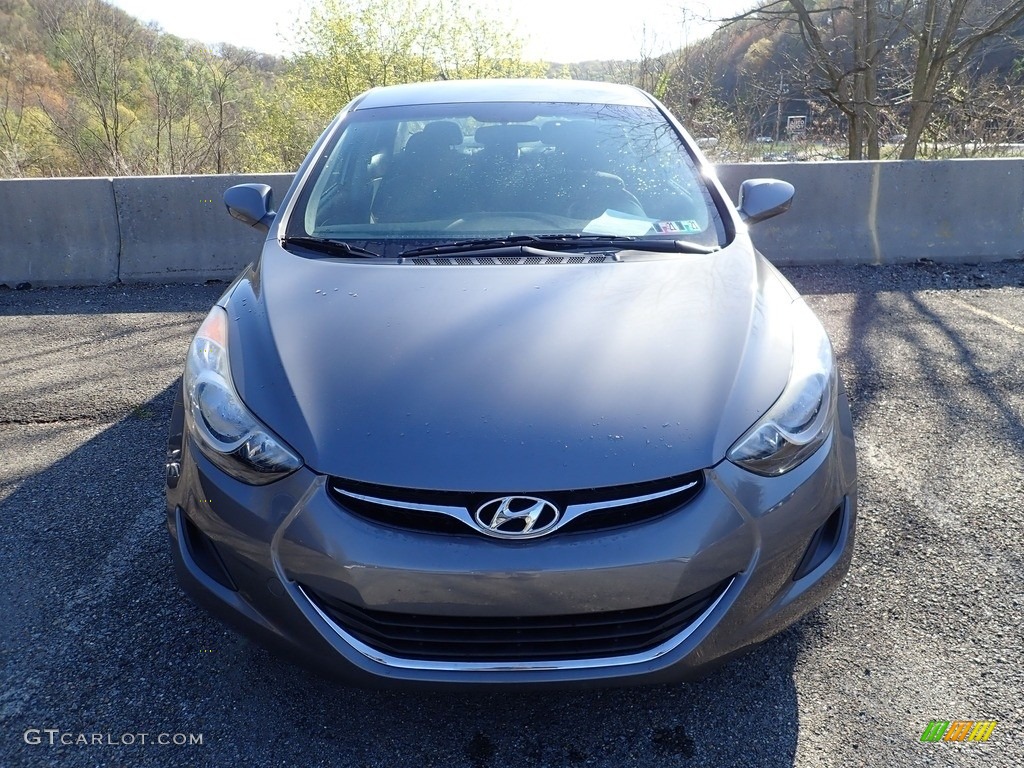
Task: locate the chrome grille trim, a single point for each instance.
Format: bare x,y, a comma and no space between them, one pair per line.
464,515
518,666
459,513
575,510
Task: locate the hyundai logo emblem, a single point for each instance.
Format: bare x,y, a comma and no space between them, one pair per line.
517,517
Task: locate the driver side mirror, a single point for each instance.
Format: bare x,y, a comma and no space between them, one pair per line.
761,199
251,203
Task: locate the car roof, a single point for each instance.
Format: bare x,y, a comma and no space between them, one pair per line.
527,90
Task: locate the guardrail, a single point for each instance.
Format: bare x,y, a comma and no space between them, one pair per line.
174,228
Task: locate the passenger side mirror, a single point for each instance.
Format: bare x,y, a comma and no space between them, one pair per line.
761,199
251,203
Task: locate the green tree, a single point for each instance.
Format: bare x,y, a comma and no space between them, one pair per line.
347,47
228,72
179,139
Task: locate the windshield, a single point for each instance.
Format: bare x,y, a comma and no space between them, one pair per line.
391,179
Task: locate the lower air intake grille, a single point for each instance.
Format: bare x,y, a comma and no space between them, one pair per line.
514,639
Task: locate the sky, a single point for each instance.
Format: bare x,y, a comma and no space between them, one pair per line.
562,31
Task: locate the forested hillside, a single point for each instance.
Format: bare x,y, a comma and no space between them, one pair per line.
86,89
929,77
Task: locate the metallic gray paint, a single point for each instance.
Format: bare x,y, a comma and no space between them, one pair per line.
524,90
511,379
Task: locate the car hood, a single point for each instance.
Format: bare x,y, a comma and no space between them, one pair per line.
511,378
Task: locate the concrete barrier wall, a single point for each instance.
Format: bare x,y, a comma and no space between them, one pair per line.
138,229
175,228
892,212
58,232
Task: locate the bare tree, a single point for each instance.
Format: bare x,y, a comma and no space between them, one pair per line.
849,45
96,43
978,114
947,34
225,70
845,44
12,113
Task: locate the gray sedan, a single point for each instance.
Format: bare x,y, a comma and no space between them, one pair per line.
510,398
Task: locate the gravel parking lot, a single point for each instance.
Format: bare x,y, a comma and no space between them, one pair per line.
97,642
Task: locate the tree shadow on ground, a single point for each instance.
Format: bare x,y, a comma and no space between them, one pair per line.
921,275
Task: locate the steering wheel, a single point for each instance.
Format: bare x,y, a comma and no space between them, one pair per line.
507,220
592,206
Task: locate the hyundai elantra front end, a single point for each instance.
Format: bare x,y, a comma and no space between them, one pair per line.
509,397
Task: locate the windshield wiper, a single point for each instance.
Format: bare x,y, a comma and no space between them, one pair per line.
330,247
566,242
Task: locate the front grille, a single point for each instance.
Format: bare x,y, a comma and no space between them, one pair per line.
465,261
450,513
520,638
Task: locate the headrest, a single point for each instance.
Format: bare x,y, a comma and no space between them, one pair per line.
441,135
562,133
510,133
443,132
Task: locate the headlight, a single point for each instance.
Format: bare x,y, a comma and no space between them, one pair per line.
802,417
226,432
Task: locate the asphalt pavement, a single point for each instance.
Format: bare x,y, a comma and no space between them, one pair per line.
98,645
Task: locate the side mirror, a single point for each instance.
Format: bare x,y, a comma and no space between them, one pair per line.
761,199
251,203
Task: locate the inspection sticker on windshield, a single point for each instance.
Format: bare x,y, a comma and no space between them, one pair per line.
617,223
689,227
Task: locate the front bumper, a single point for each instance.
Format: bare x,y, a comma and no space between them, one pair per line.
256,557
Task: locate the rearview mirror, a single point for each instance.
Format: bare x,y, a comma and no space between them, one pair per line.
761,199
251,203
